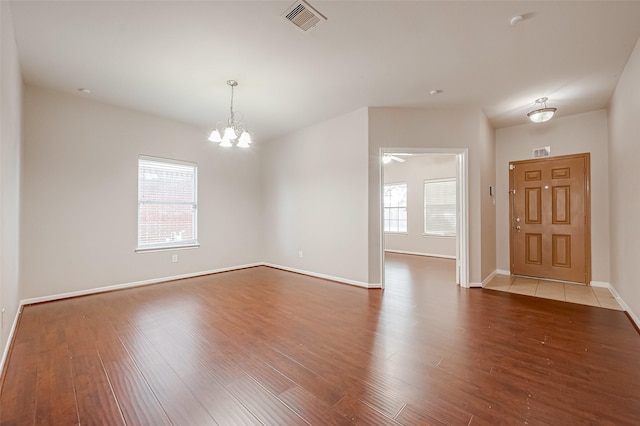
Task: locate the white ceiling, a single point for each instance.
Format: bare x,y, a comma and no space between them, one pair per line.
172,58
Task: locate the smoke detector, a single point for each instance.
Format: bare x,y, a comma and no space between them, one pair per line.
303,15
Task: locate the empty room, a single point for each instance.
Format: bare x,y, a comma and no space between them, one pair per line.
319,212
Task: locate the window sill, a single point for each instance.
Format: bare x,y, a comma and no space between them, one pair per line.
396,233
438,236
167,248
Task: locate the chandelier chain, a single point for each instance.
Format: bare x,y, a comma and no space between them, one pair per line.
232,119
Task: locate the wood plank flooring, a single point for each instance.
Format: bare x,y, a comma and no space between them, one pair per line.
262,346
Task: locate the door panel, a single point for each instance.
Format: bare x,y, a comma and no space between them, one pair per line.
533,251
561,251
561,205
550,213
533,208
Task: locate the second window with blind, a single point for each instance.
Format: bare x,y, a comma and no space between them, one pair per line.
440,207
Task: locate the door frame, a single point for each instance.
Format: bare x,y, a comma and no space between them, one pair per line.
462,207
587,199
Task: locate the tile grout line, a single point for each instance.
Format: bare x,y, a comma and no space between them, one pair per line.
592,296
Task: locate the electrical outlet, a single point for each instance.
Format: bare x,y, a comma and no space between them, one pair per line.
174,258
300,254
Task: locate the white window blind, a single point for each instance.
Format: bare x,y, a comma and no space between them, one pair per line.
167,203
440,207
395,207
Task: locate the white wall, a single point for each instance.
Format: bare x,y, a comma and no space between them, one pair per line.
487,147
430,128
414,171
79,195
315,198
624,177
565,135
10,145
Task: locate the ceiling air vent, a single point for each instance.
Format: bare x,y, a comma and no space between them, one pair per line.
542,152
303,15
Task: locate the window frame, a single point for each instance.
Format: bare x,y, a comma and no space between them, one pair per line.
443,233
386,208
177,243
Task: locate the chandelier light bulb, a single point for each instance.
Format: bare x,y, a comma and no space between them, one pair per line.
215,136
245,140
229,133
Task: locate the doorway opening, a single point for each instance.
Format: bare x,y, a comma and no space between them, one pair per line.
406,224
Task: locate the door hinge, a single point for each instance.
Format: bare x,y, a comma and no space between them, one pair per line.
512,167
513,191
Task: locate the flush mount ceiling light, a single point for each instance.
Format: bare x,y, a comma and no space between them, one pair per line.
234,131
515,20
541,111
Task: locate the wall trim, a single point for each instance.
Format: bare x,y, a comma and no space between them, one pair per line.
503,272
132,284
324,276
444,256
600,284
489,278
626,307
123,286
9,345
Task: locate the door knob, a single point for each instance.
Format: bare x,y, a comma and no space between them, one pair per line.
517,219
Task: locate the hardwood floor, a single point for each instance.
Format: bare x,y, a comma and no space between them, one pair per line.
265,346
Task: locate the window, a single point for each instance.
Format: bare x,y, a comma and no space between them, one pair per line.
395,207
167,203
440,207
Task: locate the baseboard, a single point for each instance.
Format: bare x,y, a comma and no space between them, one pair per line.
123,286
133,284
626,307
324,276
7,348
600,284
489,278
443,256
503,272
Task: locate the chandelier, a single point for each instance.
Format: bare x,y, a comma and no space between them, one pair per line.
234,131
543,112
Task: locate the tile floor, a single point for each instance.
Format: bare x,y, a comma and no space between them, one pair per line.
574,293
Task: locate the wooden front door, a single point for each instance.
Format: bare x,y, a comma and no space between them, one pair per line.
550,218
